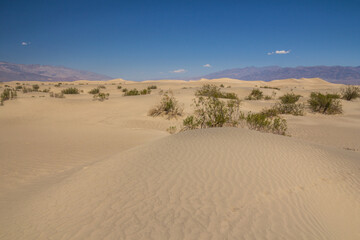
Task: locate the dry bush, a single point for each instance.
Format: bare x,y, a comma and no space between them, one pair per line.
255,94
210,90
350,93
168,107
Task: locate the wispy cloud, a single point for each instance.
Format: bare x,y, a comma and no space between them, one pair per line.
25,43
279,52
207,65
179,71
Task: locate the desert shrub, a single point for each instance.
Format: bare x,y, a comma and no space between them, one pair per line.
276,88
7,94
210,90
70,91
102,86
152,87
145,91
125,90
101,96
270,112
132,92
289,98
267,97
222,85
211,112
94,91
26,90
171,129
350,92
57,95
262,122
228,86
45,90
57,85
168,107
256,94
119,87
35,87
18,87
296,109
324,103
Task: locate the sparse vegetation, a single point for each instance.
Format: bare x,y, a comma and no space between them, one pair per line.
266,123
145,91
26,89
350,93
296,109
209,90
101,96
134,92
125,90
18,87
168,107
222,85
289,98
7,94
57,95
256,94
171,129
70,91
119,87
35,87
152,87
94,91
325,103
102,86
276,88
58,85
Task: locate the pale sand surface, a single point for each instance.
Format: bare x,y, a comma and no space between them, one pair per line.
75,168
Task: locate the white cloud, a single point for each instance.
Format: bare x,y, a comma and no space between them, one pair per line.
207,65
179,71
279,52
25,43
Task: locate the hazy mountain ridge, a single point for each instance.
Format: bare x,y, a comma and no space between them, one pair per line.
334,74
36,72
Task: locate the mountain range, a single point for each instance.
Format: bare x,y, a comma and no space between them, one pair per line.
36,72
334,74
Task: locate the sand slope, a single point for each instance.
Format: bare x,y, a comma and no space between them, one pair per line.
204,184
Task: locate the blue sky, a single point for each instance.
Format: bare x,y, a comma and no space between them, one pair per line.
139,40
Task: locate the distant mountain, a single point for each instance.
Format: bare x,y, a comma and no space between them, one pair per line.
36,72
334,74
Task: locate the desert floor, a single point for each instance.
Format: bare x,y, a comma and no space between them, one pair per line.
75,168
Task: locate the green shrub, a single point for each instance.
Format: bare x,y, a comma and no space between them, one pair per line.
255,94
7,94
270,112
70,91
324,103
210,90
289,98
35,87
18,87
125,90
119,87
222,85
211,112
132,92
262,122
296,109
102,86
267,97
101,96
94,91
145,91
276,88
152,87
57,85
350,92
26,90
168,107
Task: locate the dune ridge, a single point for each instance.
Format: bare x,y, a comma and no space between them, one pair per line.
202,184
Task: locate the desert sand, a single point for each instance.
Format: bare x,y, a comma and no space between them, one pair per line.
75,168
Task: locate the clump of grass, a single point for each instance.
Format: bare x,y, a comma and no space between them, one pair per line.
171,129
210,90
70,91
57,95
152,87
256,94
168,107
266,123
94,91
101,96
325,103
211,112
350,93
7,94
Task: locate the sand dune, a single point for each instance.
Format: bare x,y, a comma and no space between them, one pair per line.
75,168
209,184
